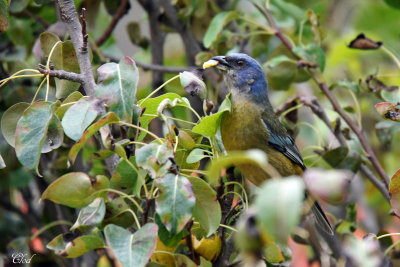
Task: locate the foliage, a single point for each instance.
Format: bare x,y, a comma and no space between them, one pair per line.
141,176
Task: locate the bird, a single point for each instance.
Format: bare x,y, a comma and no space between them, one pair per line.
253,124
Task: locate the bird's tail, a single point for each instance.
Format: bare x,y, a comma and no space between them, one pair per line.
321,219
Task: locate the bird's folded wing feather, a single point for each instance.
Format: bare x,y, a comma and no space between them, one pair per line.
285,145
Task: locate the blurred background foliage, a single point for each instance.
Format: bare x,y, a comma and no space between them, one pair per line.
322,30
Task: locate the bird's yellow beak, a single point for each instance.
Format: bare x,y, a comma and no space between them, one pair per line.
210,63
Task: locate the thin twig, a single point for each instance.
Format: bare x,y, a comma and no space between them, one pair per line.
117,17
84,34
375,181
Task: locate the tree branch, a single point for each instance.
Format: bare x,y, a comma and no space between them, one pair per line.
62,74
324,88
117,17
319,111
70,17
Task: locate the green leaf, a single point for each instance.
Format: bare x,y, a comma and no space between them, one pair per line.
281,76
20,31
66,104
209,125
155,159
195,155
75,189
393,3
175,202
252,156
3,15
394,191
216,26
79,116
207,210
151,105
312,53
125,178
10,119
272,63
117,86
63,58
279,205
93,214
76,247
47,41
17,6
182,260
331,186
54,135
20,178
132,249
107,119
167,238
118,213
386,129
335,156
31,132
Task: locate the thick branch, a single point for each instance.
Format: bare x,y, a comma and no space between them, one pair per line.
117,17
70,18
62,74
324,88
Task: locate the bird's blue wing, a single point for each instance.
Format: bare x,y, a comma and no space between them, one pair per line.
285,145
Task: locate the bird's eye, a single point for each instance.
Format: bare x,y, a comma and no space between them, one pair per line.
240,63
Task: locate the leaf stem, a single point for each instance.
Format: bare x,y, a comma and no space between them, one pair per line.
48,67
38,90
4,81
243,191
390,54
48,226
159,88
228,227
122,194
386,235
142,129
140,176
132,213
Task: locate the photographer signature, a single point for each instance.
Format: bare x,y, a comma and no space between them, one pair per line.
21,258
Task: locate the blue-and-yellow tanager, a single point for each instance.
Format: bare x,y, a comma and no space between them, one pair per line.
252,123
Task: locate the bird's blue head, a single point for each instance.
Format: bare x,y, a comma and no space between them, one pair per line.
242,73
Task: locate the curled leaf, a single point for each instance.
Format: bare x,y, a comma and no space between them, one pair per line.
364,43
193,83
388,110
